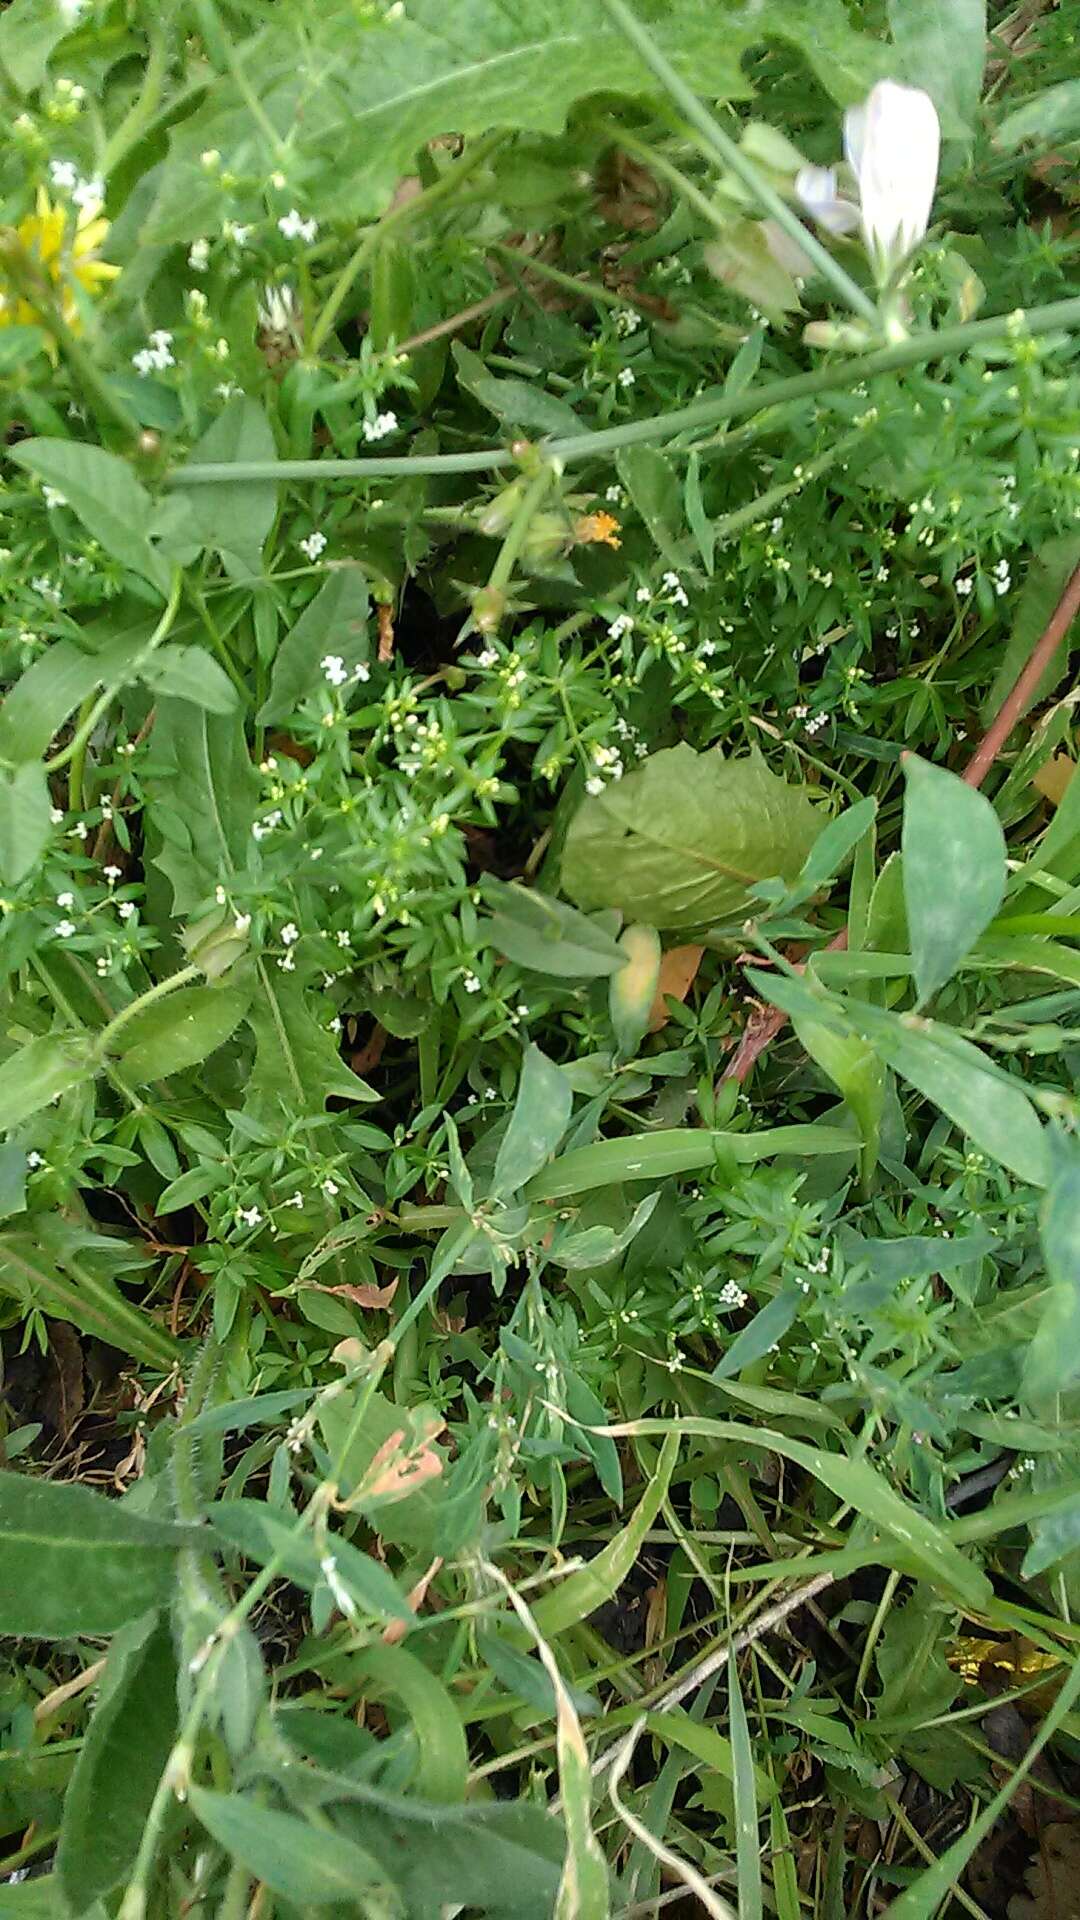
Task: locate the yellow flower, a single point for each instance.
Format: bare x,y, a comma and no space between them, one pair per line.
597,529
48,255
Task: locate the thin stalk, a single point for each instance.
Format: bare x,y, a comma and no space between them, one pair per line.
718,145
432,196
77,768
1060,315
184,978
141,112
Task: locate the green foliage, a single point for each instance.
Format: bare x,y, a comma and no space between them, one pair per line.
439,749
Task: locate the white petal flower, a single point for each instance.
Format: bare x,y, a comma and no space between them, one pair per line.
892,143
817,190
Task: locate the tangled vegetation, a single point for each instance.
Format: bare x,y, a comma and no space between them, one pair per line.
539,1192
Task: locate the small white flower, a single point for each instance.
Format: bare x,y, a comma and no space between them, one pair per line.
378,428
344,939
241,922
1001,577
52,496
314,545
290,933
125,908
64,929
278,309
469,981
334,669
63,174
199,256
34,1160
627,377
248,1216
232,231
594,785
361,671
330,1188
732,1295
622,623
892,144
296,1200
964,586
46,587
112,874
294,227
81,830
643,594
56,814
287,963
65,899
89,195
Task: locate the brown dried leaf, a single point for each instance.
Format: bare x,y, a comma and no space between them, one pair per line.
371,1297
678,970
1053,1878
1053,778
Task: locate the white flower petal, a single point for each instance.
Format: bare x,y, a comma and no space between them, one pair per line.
896,160
816,190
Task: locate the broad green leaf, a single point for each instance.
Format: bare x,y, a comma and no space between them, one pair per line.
52,686
546,936
632,990
44,1270
297,1063
335,622
990,1106
652,483
1052,1361
180,1031
443,1770
234,517
494,1858
314,1866
73,1562
1046,117
521,403
855,1070
1046,580
681,842
202,801
655,1156
103,491
830,851
126,1747
759,1336
25,820
29,32
39,1072
941,47
582,1592
538,1122
954,870
190,673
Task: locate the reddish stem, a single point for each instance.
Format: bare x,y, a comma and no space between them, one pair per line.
765,1023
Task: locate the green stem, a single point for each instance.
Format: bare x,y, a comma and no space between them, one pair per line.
1060,315
88,718
142,110
77,767
718,145
585,289
184,978
432,196
518,530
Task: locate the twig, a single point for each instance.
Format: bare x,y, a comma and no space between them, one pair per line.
762,1029
713,1903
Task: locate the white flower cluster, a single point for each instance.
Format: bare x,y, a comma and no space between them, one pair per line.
378,428
294,227
157,356
87,195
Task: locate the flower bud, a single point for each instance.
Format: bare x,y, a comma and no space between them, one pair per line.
214,944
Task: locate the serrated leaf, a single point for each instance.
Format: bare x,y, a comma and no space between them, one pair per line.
126,1746
941,47
954,856
105,494
315,1866
297,1063
202,800
680,842
180,1031
335,622
73,1562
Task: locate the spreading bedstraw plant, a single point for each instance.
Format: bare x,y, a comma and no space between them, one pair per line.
539,1267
